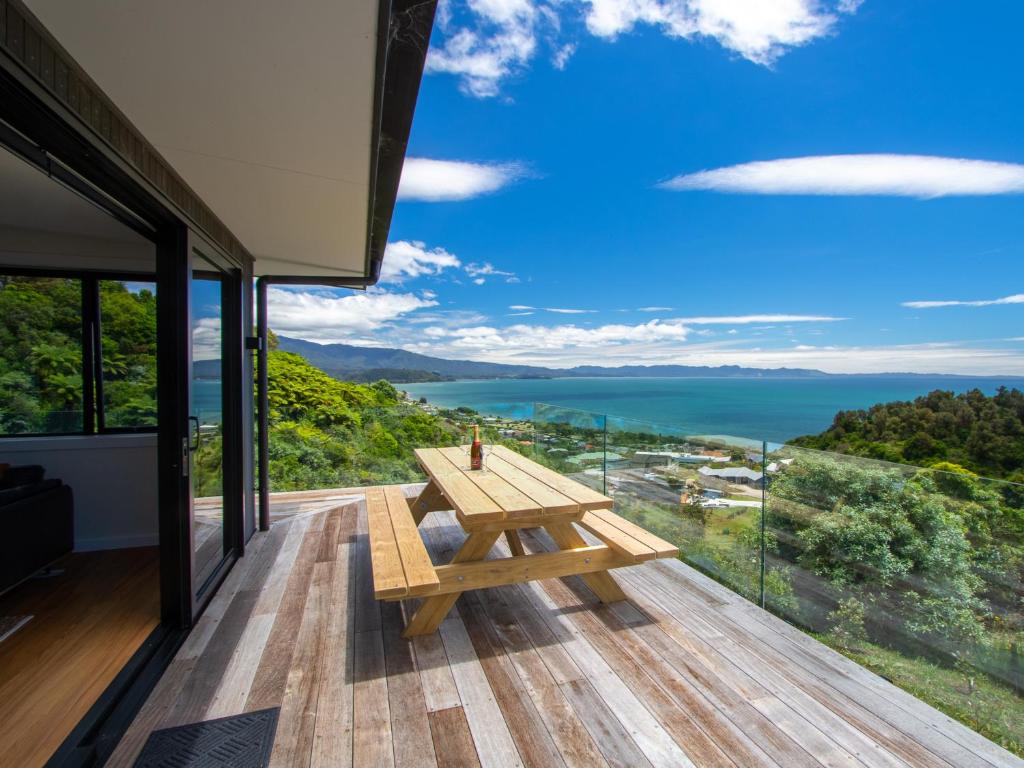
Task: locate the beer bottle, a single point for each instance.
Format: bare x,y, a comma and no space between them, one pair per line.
476,450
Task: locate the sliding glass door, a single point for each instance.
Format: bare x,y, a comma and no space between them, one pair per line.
206,422
214,415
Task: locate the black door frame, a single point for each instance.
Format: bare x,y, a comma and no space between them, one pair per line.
38,129
232,280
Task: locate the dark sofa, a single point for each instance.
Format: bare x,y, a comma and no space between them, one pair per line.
37,520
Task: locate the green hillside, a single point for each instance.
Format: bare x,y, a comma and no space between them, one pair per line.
981,433
326,433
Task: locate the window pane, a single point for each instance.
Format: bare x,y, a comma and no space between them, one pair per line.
40,355
128,323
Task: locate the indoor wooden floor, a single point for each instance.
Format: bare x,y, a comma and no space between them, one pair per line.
87,623
685,673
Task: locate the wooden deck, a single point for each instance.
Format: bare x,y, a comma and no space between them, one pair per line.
685,673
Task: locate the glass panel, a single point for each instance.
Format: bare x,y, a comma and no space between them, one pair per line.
914,573
207,420
128,323
40,355
700,492
572,442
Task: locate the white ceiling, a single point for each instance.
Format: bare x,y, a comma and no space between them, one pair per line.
29,199
45,224
265,108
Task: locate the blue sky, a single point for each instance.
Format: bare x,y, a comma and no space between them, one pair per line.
707,182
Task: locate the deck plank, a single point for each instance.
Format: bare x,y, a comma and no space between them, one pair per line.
332,732
453,743
414,747
683,672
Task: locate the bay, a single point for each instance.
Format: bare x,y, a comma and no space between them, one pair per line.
776,409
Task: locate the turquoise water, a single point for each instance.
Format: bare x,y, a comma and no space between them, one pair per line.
764,409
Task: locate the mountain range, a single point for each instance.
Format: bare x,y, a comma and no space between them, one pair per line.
352,363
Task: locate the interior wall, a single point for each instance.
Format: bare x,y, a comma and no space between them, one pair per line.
113,479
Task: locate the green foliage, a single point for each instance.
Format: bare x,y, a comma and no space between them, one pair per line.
41,354
873,532
326,433
983,434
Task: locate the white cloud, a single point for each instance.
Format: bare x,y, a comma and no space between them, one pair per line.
659,343
206,339
485,270
500,42
445,180
655,309
1017,298
556,310
409,259
921,176
329,316
562,55
492,40
539,338
758,31
747,319
655,341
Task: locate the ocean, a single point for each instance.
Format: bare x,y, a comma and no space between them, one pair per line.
776,410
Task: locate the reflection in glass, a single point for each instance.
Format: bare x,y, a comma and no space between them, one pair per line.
206,426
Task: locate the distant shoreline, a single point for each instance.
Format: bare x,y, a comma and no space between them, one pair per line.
776,409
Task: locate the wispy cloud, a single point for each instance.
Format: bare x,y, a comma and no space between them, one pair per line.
480,273
485,42
920,176
760,32
556,310
1017,298
446,180
564,346
495,39
655,309
406,259
748,319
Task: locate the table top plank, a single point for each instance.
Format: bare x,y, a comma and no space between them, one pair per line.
544,495
587,498
466,498
509,496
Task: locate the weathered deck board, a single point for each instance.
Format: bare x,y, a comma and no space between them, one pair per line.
542,673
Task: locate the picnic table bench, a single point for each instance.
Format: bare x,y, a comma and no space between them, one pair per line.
510,494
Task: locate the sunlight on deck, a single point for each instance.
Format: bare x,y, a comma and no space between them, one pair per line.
683,673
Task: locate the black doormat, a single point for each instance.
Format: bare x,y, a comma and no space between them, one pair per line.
239,741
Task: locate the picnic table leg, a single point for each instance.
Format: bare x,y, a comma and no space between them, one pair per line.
515,545
432,610
430,500
601,582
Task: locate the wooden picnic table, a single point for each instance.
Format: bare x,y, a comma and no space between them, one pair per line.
512,492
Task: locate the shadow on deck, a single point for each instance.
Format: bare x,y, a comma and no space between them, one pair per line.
683,673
